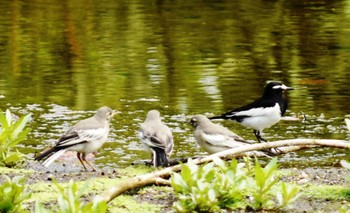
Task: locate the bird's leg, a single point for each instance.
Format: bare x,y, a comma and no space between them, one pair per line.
84,159
81,161
275,151
258,136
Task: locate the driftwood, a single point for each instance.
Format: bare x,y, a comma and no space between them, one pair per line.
161,176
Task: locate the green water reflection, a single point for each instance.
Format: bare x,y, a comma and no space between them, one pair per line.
61,58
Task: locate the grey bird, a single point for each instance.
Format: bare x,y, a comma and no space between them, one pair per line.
157,138
85,137
214,138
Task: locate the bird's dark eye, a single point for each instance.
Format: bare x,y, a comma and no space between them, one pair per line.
193,122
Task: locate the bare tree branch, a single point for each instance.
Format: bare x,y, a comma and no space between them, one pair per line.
158,177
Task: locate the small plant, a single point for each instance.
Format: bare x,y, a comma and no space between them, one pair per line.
217,185
12,195
264,180
11,133
196,187
287,195
69,201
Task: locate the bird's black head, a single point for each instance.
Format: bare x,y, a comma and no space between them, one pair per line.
275,88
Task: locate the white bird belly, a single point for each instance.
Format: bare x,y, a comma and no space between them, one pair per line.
262,118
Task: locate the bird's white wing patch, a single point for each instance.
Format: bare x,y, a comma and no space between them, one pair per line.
219,140
93,134
86,135
261,111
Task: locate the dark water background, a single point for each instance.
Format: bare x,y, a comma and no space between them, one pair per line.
61,60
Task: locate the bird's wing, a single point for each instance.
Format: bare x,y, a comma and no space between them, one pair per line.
154,137
259,107
220,140
153,140
169,145
248,110
79,136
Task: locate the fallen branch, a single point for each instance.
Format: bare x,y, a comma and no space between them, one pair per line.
160,176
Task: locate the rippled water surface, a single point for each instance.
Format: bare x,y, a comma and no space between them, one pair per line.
62,60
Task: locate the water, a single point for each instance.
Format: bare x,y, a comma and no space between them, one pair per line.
61,61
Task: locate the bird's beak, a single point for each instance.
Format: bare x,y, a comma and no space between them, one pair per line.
189,121
114,112
192,123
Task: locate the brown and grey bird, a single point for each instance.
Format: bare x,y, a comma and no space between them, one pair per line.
157,138
85,137
214,138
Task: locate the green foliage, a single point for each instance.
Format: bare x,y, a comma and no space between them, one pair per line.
264,181
288,195
69,201
11,133
219,185
12,195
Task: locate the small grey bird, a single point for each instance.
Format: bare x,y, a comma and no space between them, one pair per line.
214,138
85,137
157,139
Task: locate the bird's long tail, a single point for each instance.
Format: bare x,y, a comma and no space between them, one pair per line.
46,153
227,115
50,155
53,157
217,117
159,157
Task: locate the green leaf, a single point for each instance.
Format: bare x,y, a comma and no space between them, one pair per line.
178,184
12,195
39,208
11,133
186,173
11,159
287,195
212,195
259,175
271,167
99,206
3,121
20,124
8,117
219,162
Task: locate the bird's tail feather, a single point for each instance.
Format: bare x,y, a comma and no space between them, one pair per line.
217,117
46,153
53,157
159,157
229,116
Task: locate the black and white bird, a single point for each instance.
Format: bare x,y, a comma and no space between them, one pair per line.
85,137
263,112
157,138
215,138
